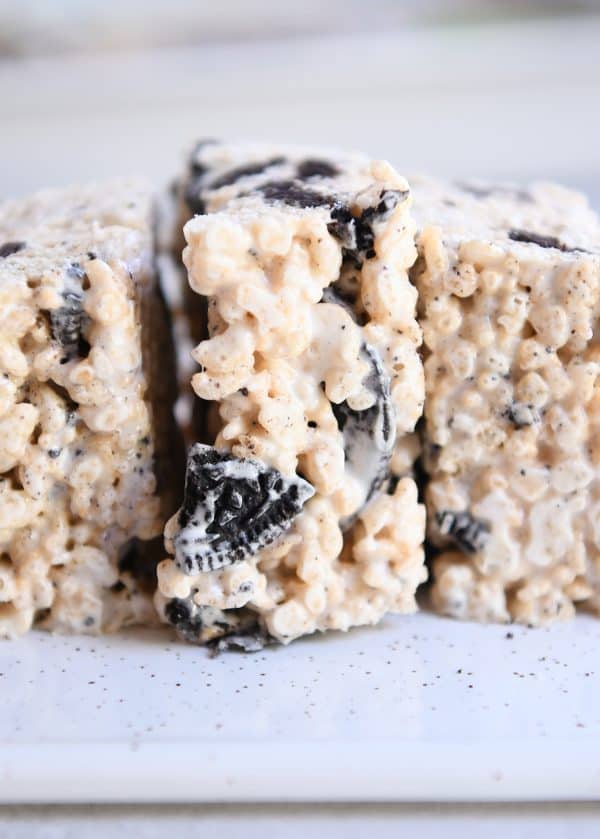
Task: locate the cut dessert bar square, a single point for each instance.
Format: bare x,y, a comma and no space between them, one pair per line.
509,297
300,512
86,436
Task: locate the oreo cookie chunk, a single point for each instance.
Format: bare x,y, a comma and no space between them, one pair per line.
232,509
331,393
8,248
69,322
469,533
233,629
356,230
202,624
369,435
541,240
509,283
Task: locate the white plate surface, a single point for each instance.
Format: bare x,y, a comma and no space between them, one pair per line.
420,708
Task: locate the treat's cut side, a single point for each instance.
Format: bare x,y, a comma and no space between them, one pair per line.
84,423
187,312
309,376
509,284
232,509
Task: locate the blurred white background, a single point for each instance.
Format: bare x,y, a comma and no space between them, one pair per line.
456,87
33,27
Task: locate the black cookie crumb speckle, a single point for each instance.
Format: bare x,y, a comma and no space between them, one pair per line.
8,248
469,534
521,415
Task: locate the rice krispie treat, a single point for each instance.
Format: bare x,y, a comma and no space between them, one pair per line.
509,291
299,513
85,409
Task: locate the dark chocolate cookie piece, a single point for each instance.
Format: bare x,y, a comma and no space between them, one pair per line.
314,168
342,226
295,194
232,508
197,166
388,201
69,322
252,641
530,238
234,175
369,435
8,248
345,291
467,532
206,624
356,232
193,195
196,183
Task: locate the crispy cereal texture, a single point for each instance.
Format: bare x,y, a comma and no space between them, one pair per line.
509,290
80,444
309,365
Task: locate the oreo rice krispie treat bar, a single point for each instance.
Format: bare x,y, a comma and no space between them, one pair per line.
86,438
299,513
509,296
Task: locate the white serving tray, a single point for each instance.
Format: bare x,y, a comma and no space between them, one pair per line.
421,708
